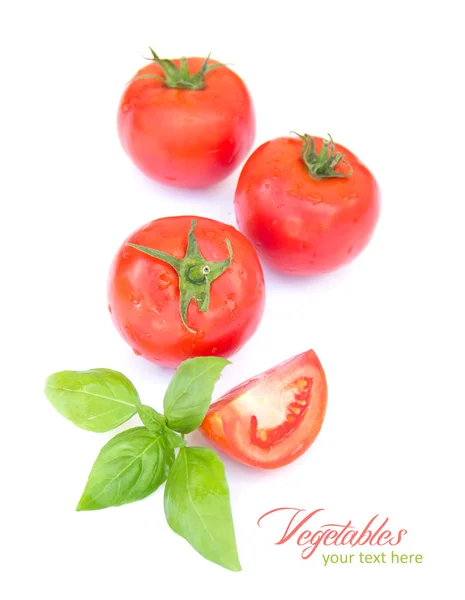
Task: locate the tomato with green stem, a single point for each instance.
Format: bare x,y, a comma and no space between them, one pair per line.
308,205
187,122
181,287
273,418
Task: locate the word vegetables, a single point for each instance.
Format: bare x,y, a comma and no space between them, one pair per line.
309,536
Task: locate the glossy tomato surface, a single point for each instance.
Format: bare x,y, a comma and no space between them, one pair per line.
271,419
300,225
144,296
182,137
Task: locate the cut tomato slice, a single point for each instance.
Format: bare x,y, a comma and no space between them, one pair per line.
271,419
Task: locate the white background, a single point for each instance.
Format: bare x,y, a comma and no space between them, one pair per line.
384,79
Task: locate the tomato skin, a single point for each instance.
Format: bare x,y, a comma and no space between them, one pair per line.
187,138
229,421
302,226
143,293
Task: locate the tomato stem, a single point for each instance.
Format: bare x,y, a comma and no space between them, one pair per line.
195,273
180,78
322,165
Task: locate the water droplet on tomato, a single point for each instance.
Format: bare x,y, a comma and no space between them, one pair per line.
125,107
315,198
136,352
351,199
230,304
126,255
164,280
234,314
136,300
214,350
109,309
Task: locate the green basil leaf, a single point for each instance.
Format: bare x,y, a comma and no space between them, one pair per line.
151,418
190,390
129,467
173,439
96,400
197,506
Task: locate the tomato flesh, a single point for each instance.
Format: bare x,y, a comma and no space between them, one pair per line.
296,410
271,419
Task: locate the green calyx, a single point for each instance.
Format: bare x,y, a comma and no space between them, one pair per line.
179,77
322,165
195,273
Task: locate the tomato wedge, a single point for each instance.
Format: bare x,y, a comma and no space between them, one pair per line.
271,419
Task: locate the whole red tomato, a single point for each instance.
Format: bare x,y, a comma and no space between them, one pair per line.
181,287
270,420
187,122
307,204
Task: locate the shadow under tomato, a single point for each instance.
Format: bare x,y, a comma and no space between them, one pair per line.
223,190
323,280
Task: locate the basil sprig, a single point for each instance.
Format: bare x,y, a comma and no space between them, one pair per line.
137,461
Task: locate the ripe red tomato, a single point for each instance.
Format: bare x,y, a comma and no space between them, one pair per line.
271,419
187,122
307,204
165,265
